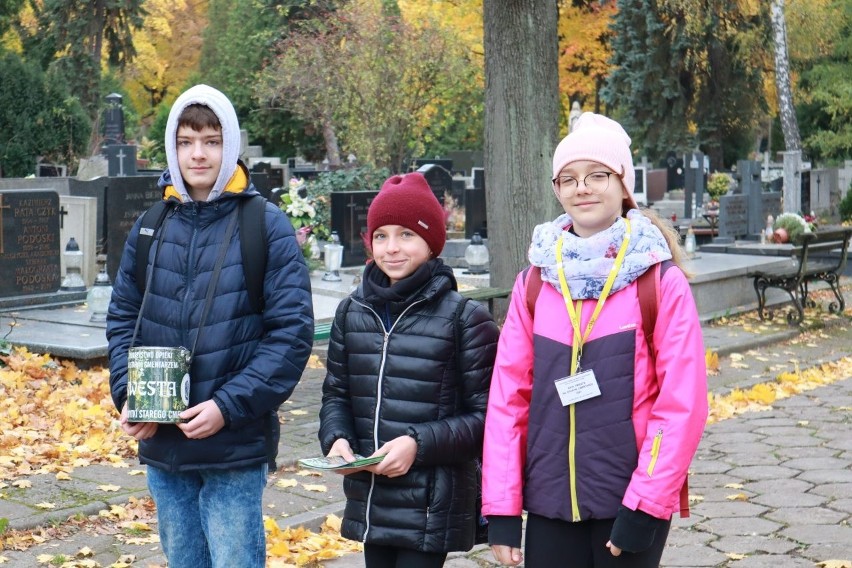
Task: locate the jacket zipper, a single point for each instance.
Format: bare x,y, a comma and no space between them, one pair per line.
655,451
572,462
186,304
385,341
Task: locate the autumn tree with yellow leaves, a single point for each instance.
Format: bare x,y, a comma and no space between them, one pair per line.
368,80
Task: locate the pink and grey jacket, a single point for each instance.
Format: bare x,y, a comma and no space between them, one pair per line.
631,445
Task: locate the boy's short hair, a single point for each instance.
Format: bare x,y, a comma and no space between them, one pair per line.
198,117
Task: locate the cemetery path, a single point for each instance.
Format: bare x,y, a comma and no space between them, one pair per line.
770,487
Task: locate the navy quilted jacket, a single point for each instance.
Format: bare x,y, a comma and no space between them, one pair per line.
248,363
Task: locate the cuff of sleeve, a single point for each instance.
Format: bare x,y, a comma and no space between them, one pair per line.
634,531
223,409
505,530
418,459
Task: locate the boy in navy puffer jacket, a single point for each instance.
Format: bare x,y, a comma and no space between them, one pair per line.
207,473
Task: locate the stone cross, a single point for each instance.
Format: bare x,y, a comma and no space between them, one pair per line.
121,155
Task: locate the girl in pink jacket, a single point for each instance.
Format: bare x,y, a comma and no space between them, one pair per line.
588,428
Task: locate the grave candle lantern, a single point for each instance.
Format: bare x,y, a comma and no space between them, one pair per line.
476,255
333,259
73,257
99,296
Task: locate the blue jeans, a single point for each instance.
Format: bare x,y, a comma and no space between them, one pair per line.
211,518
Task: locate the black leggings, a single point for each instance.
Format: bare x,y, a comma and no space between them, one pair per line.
376,556
554,543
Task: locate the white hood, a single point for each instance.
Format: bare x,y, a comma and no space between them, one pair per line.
219,104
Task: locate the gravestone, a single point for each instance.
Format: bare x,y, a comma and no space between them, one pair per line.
29,243
113,120
439,180
733,218
805,193
121,160
126,199
674,171
443,162
274,174
349,219
759,203
51,170
475,211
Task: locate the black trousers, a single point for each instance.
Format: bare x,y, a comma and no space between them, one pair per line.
376,556
553,543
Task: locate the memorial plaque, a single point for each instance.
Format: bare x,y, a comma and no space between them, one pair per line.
126,199
733,216
349,219
29,243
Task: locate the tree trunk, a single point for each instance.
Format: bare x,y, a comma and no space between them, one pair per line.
786,110
521,127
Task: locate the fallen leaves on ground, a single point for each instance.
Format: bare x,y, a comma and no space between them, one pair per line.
761,396
834,563
54,415
301,547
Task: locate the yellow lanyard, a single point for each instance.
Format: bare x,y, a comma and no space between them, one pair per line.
576,314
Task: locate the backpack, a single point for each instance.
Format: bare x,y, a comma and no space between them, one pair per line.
648,284
481,532
253,244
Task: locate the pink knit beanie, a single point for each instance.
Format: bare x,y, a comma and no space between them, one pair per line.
408,201
602,140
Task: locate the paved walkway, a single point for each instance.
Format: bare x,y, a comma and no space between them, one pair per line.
774,488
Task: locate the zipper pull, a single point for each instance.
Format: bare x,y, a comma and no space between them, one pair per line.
655,451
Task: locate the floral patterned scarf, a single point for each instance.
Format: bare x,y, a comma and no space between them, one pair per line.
587,262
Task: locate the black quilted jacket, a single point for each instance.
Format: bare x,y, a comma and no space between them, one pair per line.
411,380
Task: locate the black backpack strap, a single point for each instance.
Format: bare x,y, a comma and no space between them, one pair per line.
151,221
253,247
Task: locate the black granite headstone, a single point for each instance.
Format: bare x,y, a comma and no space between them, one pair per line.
439,180
29,243
475,213
262,183
126,199
443,162
806,206
478,175
674,171
349,219
121,160
114,120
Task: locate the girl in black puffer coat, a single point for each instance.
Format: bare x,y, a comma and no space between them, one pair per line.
409,368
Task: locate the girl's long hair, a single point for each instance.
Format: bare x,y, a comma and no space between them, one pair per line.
672,238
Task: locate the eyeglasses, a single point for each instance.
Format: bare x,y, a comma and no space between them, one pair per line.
596,182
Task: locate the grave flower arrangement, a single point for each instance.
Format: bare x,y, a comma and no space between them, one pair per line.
789,227
302,210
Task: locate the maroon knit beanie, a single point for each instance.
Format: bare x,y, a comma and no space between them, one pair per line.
408,201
